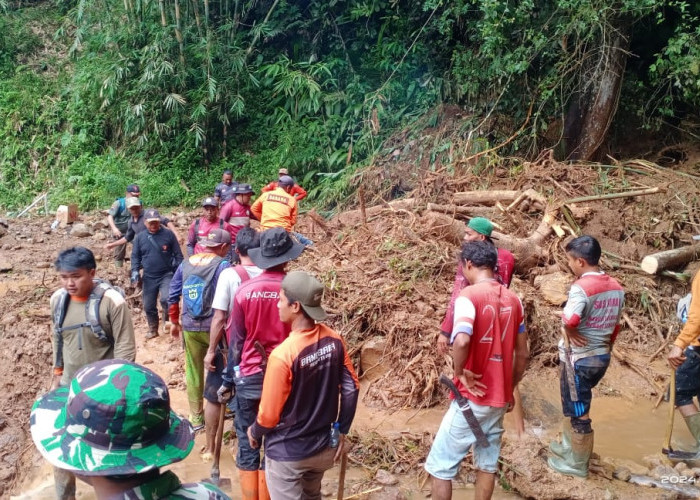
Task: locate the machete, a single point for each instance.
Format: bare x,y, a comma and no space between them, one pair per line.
463,403
570,374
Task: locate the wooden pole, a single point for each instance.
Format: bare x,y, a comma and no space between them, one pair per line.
610,196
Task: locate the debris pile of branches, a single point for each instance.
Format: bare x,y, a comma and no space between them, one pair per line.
389,267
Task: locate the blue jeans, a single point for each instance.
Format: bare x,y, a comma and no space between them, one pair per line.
588,372
152,287
302,239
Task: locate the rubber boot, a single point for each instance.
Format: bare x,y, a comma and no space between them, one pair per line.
152,330
575,462
249,484
692,458
693,423
263,493
561,449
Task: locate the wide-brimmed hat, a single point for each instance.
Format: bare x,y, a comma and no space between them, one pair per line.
113,419
276,247
243,189
216,237
308,291
285,180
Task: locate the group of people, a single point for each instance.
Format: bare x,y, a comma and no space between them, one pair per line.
156,252
254,332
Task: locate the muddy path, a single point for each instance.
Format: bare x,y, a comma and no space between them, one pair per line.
411,267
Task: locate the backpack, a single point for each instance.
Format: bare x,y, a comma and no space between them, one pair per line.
197,289
682,308
92,316
122,206
196,227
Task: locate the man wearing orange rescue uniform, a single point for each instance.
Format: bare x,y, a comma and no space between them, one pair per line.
309,395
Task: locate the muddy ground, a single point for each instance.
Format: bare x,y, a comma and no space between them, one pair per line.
389,271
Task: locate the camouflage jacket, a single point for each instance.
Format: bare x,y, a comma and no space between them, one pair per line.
167,486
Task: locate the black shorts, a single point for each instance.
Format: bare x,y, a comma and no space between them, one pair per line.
214,379
688,378
588,372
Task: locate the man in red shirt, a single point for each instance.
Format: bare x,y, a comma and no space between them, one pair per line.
478,229
309,395
237,211
490,354
202,226
297,191
255,321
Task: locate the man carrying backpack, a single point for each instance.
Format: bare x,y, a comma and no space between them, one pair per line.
195,280
91,322
214,361
118,219
255,323
201,227
158,253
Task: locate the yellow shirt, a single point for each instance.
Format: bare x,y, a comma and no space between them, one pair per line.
691,331
275,209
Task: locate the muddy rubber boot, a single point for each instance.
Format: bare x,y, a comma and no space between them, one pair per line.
249,484
263,493
152,330
563,448
575,462
692,458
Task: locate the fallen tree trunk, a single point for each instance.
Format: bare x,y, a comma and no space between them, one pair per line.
484,197
657,262
360,216
462,211
528,251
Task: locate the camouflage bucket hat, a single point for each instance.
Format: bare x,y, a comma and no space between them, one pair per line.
113,419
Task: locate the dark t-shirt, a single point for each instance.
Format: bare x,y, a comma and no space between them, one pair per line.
157,254
138,225
225,191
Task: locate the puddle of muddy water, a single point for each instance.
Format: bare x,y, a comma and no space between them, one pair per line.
625,429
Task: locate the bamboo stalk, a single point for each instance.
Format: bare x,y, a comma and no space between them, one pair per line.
163,20
257,32
178,32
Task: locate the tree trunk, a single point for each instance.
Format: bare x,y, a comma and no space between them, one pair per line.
657,262
590,116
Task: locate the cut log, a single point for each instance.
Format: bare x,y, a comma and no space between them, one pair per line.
462,212
354,217
484,197
657,262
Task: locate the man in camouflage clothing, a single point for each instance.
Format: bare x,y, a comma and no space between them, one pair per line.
113,428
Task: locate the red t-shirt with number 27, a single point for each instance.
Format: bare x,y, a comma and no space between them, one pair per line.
492,316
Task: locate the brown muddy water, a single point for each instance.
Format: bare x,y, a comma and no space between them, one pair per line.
626,429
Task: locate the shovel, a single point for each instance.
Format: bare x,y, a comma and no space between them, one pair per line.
215,474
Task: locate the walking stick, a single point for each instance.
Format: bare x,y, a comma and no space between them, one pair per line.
341,476
671,413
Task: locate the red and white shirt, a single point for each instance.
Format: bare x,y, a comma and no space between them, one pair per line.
492,316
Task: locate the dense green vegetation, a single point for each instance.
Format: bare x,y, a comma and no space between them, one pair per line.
98,93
